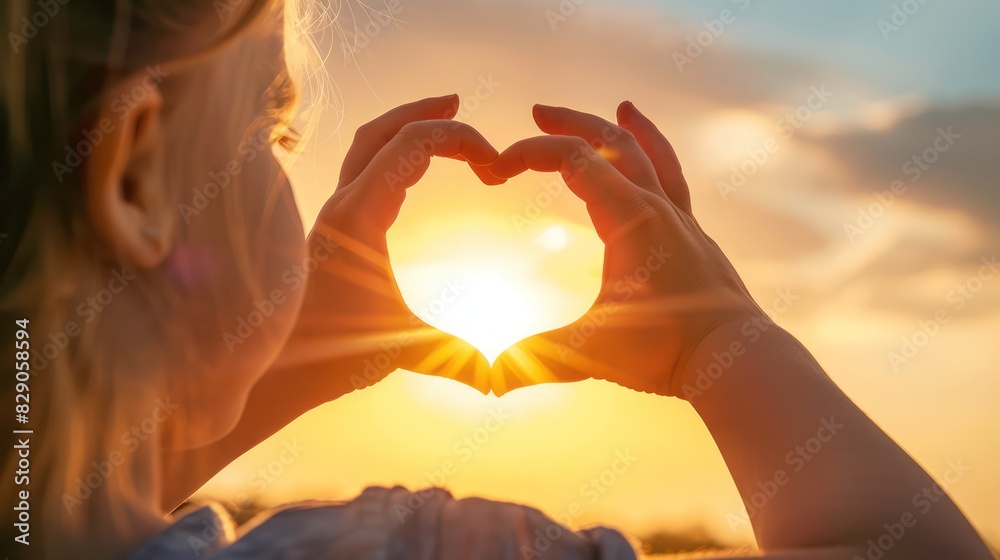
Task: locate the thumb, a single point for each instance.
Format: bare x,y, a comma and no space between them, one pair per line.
549,357
434,352
614,203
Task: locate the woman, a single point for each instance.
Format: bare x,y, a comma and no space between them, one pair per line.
177,315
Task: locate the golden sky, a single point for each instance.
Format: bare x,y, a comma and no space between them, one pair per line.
784,150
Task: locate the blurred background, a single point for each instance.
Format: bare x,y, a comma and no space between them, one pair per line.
844,155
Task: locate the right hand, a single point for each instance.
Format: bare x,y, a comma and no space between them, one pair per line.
665,285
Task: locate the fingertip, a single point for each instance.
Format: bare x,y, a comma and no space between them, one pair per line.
501,169
452,109
482,374
466,365
500,175
635,110
625,112
490,154
486,176
498,385
485,387
542,114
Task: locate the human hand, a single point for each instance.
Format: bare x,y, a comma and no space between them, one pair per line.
666,283
354,325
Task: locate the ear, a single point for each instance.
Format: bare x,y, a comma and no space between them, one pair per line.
124,187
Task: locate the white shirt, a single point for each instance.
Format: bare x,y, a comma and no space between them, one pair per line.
383,523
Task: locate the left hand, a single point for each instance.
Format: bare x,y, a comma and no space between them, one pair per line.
666,284
354,327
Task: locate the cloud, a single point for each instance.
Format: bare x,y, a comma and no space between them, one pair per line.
966,177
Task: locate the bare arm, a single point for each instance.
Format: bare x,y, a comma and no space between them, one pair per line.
814,472
674,318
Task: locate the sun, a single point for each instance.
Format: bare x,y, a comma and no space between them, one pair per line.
553,238
484,305
494,296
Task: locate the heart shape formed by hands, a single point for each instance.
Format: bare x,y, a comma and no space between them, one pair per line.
665,283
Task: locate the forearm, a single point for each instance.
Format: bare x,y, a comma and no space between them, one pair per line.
812,469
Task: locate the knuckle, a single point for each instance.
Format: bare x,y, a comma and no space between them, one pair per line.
365,131
578,144
409,129
648,207
612,134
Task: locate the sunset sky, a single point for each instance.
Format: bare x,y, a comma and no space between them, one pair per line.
853,272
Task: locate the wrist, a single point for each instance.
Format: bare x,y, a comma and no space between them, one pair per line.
712,352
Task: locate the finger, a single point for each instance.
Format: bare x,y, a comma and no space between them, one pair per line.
549,357
372,136
434,352
660,152
483,172
612,200
380,188
489,179
405,158
614,143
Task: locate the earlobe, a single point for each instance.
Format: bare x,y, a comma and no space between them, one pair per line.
124,185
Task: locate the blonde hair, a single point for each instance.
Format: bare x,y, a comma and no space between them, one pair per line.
55,74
